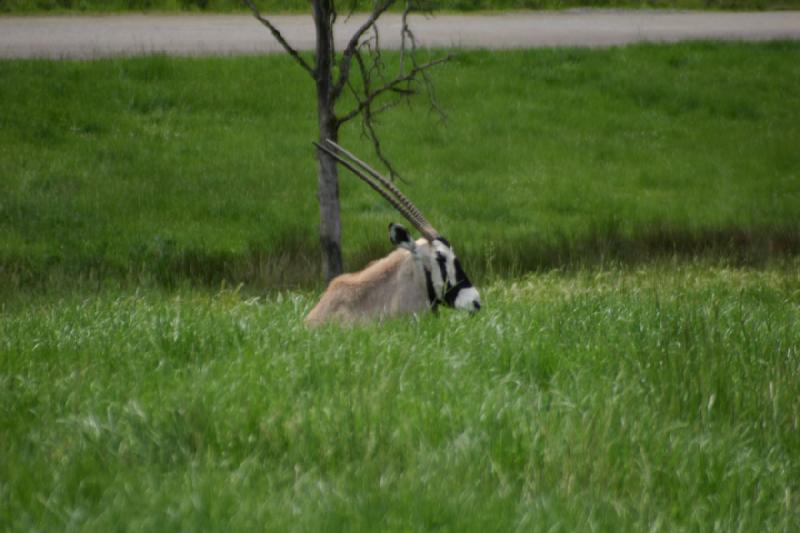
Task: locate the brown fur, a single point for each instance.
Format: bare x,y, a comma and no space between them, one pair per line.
387,287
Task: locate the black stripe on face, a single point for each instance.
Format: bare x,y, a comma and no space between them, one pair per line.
462,282
433,301
452,294
461,276
442,261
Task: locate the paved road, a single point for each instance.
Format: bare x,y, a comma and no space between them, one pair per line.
103,36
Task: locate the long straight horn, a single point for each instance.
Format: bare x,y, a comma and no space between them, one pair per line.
397,199
389,186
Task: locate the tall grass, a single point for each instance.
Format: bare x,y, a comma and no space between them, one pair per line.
663,398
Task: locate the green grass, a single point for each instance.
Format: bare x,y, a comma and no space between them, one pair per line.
663,398
301,6
649,383
162,171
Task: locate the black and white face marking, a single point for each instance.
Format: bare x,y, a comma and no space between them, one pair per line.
455,288
446,281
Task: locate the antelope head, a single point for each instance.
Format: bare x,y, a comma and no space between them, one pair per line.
445,281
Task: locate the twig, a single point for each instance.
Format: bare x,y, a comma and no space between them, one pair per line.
392,86
429,86
369,127
353,44
278,37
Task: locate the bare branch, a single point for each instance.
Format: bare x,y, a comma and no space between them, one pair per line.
406,33
394,85
352,46
369,128
278,37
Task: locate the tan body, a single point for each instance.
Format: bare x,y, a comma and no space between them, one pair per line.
394,285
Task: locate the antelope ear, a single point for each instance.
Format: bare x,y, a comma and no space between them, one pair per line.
400,237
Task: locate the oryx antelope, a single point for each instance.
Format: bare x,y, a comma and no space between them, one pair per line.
418,276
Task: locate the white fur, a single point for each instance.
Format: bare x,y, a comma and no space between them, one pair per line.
467,298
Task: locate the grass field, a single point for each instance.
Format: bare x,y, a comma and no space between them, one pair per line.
73,6
663,398
630,215
158,171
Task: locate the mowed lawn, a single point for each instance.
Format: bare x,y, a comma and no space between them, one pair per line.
159,170
664,398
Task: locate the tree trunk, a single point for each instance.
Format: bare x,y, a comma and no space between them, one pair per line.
328,179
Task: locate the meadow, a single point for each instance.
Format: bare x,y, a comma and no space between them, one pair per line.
663,398
630,215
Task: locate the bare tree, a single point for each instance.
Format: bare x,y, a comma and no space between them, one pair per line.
374,90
